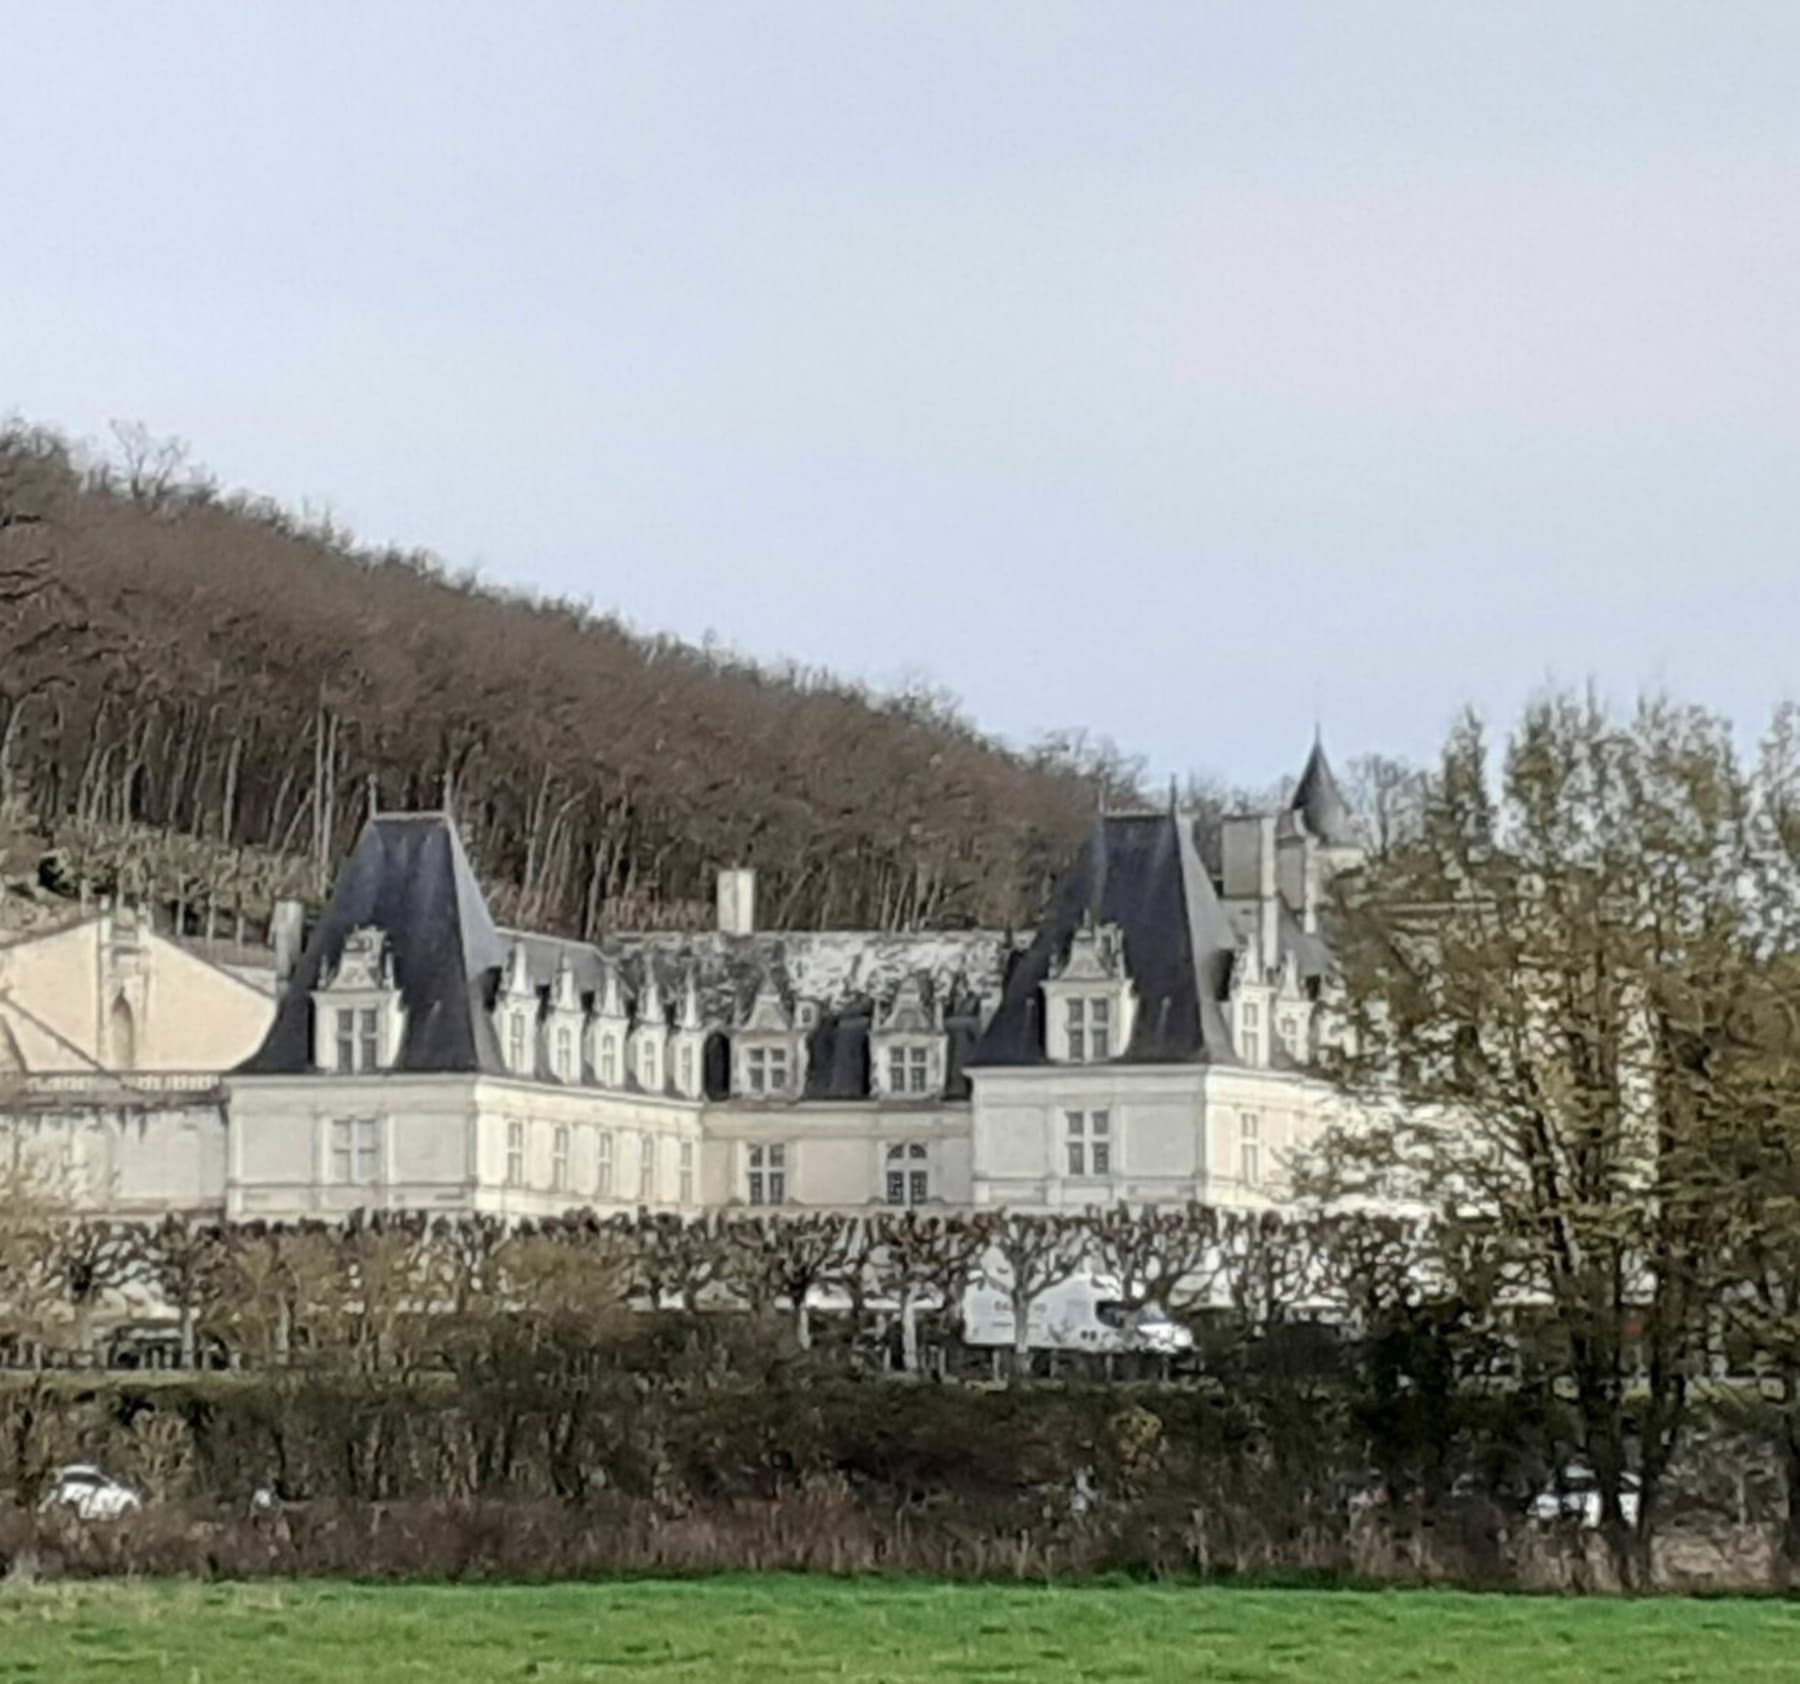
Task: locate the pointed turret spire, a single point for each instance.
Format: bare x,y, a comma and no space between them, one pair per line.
1318,799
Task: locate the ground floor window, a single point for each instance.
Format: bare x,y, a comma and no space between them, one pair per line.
355,1151
1089,1142
767,1175
908,1174
515,1154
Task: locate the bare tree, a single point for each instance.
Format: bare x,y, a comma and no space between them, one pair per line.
1550,999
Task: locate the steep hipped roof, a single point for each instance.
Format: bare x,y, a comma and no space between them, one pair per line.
409,877
1319,801
1139,872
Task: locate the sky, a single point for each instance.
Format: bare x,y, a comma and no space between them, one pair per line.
1189,374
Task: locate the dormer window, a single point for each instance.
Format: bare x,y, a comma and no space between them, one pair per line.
1090,1029
358,1038
649,1073
907,1050
768,1050
766,1071
909,1070
358,1021
908,1174
565,1054
1089,1003
515,1043
609,1060
1250,1038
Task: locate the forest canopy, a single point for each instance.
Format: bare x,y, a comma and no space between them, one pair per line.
201,693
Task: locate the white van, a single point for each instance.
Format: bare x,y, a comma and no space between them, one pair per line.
1085,1313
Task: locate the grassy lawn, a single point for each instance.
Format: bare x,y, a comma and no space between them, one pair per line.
795,1629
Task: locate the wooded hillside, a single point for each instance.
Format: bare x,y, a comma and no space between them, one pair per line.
198,690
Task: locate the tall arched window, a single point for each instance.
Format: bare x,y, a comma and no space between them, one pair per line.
908,1174
122,1035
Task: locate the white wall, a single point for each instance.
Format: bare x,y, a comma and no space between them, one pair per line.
58,992
837,1154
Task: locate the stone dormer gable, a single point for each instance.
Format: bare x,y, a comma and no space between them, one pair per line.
908,1051
358,1018
913,1010
690,1018
366,962
564,1023
1251,1006
611,1002
609,1030
1096,954
516,1009
767,1012
768,1048
687,1045
1088,998
649,1037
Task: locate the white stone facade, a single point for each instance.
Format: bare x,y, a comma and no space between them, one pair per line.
1148,1044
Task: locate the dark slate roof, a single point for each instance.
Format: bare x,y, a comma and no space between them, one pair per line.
1141,873
408,875
1319,801
840,971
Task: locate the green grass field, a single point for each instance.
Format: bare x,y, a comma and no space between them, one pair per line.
794,1629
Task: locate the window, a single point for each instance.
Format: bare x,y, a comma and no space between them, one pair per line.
766,1069
515,1154
1090,1030
515,1042
565,1054
909,1070
686,1058
648,1075
768,1175
559,1161
646,1169
687,1172
355,1151
603,1161
1099,1030
1249,1148
357,1032
1289,1032
609,1062
908,1174
1089,1142
1250,1033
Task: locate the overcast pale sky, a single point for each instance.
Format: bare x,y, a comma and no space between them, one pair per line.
1173,371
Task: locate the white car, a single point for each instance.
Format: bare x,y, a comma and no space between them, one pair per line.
1576,1496
84,1491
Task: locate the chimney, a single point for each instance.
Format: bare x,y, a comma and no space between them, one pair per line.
287,933
737,901
1268,904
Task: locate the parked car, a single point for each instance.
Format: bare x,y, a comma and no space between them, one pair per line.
84,1491
1575,1495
